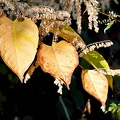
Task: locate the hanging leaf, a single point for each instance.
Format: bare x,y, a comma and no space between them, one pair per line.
68,34
59,60
4,23
98,61
95,84
18,44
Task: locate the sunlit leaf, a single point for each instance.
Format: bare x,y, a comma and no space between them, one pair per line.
68,34
18,44
5,23
96,84
59,60
98,61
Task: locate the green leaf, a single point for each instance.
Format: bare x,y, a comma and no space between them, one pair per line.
68,34
118,110
97,61
109,26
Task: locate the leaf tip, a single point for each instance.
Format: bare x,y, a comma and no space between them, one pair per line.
102,108
21,78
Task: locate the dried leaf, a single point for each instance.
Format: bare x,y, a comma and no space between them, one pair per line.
59,60
18,44
98,61
96,84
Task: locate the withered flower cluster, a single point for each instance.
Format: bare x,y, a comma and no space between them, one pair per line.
51,10
48,16
74,7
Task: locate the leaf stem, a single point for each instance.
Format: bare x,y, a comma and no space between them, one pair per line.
81,67
64,107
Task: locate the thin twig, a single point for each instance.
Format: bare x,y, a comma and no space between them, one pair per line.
64,107
108,16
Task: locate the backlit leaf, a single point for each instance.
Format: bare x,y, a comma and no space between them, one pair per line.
68,34
59,60
5,23
18,44
98,61
96,84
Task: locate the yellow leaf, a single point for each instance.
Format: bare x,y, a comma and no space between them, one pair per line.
59,60
5,23
96,84
18,44
98,61
68,34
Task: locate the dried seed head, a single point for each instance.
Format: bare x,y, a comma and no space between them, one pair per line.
107,71
112,15
78,44
97,45
47,11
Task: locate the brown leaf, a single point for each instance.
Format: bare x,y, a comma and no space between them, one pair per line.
96,84
18,44
59,60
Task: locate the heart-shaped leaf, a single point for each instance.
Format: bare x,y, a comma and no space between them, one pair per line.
59,60
5,23
97,61
96,84
18,44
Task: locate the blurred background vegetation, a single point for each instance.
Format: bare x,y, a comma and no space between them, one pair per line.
38,98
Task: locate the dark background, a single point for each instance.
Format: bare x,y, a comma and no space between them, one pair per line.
38,98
